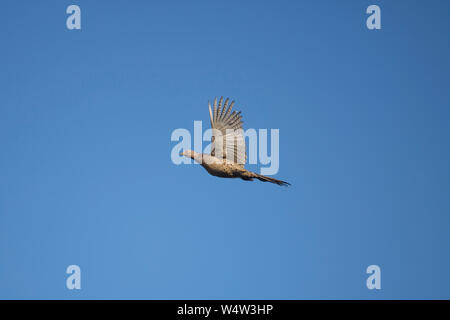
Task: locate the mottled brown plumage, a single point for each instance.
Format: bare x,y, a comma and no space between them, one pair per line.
228,154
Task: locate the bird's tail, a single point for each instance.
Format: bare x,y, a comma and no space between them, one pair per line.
260,177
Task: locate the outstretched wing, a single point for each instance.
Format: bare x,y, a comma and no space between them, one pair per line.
228,134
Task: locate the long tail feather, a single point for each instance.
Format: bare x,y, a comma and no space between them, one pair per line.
260,177
248,175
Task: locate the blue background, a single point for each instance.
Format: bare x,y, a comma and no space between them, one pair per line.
86,176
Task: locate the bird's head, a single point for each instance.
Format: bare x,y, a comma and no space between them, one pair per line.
198,157
188,153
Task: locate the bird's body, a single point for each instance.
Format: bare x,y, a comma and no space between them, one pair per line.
218,167
228,155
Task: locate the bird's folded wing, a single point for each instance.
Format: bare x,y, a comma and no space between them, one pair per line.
228,134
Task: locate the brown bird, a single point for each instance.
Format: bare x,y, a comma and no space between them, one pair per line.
228,154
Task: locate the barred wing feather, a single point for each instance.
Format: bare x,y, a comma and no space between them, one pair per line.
228,134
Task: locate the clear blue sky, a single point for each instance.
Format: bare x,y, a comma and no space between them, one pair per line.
85,170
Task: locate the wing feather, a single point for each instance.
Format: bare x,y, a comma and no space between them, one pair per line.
229,130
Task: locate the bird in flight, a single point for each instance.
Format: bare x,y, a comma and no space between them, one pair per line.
228,154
